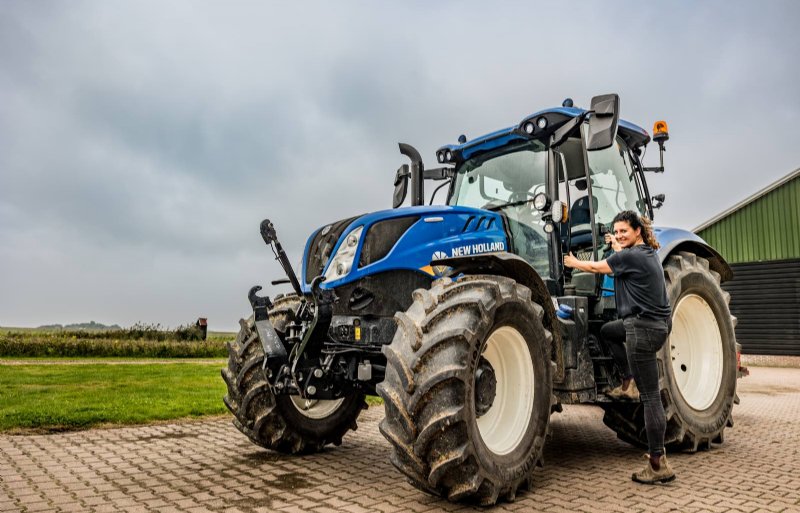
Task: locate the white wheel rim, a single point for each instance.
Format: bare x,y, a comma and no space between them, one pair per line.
316,409
503,426
696,351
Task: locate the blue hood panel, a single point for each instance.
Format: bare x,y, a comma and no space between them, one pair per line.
440,232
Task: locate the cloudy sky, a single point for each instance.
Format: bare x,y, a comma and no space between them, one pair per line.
141,143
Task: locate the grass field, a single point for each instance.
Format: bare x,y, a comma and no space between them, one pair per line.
57,380
65,397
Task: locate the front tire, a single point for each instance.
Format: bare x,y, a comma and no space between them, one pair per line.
283,423
697,367
468,389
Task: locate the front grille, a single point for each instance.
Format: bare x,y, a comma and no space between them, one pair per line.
321,247
380,294
381,238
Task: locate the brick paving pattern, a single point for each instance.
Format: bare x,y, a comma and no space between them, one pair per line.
209,466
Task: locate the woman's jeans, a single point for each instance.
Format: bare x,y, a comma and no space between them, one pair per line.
644,338
613,335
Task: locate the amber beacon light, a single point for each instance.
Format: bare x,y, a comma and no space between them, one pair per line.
660,135
660,131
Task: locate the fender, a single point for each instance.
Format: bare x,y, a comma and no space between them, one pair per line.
512,266
673,240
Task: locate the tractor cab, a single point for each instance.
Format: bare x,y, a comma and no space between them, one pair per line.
556,184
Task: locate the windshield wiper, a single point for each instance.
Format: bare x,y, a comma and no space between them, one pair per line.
512,204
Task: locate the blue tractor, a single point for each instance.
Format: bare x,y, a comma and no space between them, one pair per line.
463,319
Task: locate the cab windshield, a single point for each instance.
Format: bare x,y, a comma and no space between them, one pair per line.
506,180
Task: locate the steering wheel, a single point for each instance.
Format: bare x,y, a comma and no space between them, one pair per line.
521,198
527,208
494,204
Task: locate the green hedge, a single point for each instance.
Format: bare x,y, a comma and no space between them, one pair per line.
79,344
138,331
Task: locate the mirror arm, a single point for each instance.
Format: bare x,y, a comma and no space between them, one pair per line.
661,150
565,130
439,173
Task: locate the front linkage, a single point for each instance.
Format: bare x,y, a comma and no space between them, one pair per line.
315,366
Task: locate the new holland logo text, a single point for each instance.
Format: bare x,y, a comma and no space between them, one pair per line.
474,249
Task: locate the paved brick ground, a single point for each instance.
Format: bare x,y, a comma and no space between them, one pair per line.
209,466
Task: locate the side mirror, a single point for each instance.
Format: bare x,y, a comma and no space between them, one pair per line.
658,201
603,122
400,185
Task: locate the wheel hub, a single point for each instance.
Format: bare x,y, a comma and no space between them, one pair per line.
508,381
316,409
485,387
696,352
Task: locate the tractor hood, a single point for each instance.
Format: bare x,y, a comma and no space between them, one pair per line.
400,239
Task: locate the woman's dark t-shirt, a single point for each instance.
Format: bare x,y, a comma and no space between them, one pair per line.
639,283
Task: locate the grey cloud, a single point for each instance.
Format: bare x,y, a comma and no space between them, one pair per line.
142,143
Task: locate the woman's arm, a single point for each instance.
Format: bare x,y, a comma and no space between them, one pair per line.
600,267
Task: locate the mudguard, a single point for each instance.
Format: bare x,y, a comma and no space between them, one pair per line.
515,267
673,240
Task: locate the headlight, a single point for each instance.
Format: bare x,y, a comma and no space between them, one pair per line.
342,262
541,201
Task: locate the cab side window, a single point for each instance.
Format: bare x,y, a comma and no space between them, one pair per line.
613,183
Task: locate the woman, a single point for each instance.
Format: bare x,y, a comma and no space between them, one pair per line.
642,304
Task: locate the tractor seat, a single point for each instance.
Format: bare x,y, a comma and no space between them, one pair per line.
580,217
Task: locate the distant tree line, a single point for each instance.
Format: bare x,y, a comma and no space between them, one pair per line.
91,325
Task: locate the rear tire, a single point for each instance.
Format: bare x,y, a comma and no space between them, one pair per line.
284,423
468,389
697,366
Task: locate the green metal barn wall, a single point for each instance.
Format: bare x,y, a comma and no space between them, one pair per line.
765,297
766,229
761,241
